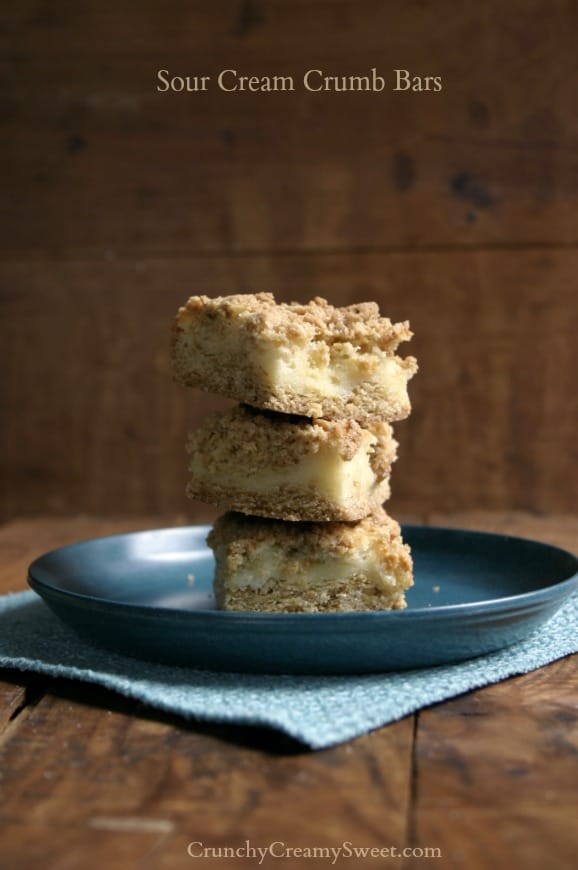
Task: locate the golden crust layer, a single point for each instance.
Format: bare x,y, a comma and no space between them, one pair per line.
289,503
381,566
365,403
355,593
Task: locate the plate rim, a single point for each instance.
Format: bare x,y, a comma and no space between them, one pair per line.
525,601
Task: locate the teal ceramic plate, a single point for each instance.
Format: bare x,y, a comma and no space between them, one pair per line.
474,593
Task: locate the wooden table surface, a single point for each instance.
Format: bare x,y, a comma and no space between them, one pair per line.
90,779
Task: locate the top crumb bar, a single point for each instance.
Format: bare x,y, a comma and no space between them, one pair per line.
312,359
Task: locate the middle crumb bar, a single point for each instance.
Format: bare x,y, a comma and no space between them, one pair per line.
291,468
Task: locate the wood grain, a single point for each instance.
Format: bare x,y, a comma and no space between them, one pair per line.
101,162
94,423
89,778
562,533
496,773
12,698
455,209
496,769
121,782
25,540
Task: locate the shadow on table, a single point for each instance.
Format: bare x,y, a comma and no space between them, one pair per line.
257,738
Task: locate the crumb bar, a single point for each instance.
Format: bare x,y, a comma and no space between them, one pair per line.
313,360
290,468
270,565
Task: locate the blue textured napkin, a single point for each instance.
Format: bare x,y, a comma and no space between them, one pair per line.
319,711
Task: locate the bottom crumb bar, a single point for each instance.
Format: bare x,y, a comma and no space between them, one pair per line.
277,566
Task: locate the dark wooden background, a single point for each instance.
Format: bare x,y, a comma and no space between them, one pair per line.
457,210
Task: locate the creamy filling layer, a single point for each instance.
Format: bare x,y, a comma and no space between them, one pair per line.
325,472
313,369
272,564
319,370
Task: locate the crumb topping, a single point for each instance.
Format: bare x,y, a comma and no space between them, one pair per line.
241,534
264,439
360,325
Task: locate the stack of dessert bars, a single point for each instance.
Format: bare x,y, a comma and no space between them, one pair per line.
302,465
